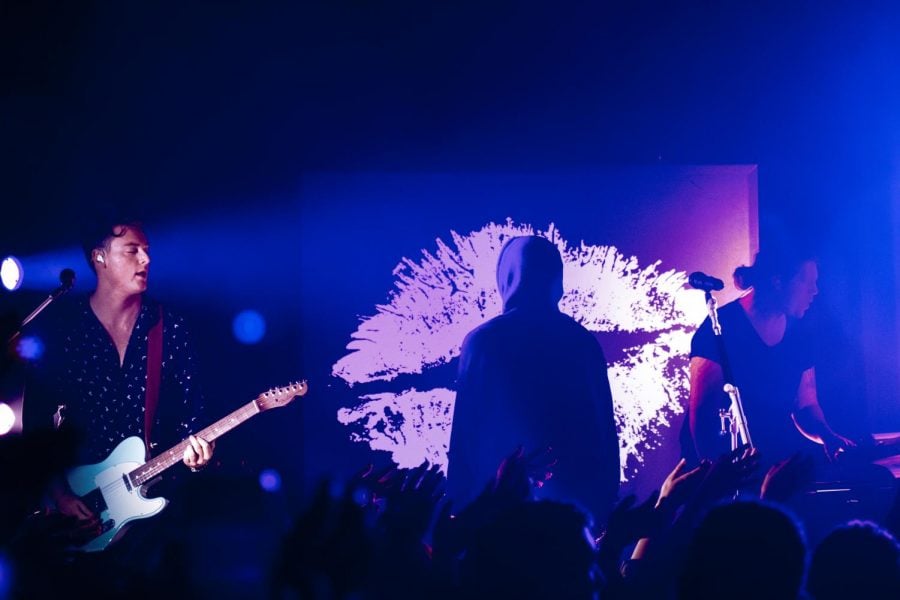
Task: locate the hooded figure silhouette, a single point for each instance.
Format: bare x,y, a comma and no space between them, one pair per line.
534,377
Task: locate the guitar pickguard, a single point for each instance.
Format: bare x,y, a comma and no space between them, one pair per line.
120,501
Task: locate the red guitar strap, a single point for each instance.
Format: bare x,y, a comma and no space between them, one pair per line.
154,371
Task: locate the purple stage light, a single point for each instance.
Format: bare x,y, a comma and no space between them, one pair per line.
270,481
30,348
6,576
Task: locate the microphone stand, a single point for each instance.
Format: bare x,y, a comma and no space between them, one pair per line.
733,420
67,279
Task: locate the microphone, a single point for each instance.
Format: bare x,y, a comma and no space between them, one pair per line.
707,283
66,281
67,277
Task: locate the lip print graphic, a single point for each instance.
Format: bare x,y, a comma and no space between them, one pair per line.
643,317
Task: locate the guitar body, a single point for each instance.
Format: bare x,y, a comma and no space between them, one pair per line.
112,488
107,486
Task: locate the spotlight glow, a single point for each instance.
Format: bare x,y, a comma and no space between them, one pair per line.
7,574
11,273
7,418
270,480
249,327
30,348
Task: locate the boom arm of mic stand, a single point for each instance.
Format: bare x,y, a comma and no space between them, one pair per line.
40,308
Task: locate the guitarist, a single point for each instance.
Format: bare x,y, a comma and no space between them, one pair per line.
94,377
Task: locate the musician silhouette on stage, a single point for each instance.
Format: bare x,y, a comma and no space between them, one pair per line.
770,350
533,377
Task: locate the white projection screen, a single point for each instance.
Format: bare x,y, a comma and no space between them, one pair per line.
402,267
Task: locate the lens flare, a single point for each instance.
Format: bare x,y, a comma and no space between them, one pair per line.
11,273
270,480
249,327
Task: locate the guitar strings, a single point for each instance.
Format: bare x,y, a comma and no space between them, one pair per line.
166,460
141,475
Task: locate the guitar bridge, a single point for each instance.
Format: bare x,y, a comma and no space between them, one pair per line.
94,501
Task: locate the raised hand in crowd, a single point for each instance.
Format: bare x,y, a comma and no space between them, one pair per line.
680,485
411,500
519,474
373,485
627,524
517,477
787,477
726,475
644,570
656,557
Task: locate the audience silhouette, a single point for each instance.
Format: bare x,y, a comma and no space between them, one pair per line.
391,533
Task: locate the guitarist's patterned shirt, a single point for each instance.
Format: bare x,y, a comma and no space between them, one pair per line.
81,380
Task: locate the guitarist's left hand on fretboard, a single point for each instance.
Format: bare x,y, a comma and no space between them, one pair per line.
198,453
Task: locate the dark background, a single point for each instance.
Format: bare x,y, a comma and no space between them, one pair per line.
205,117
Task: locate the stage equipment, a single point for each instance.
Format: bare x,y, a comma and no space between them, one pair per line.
67,280
733,420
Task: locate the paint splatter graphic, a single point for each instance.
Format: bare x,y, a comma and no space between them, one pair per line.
447,293
412,425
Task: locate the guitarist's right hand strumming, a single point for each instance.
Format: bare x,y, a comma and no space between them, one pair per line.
85,525
69,504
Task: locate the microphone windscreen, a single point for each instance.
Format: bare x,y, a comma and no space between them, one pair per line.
702,281
67,277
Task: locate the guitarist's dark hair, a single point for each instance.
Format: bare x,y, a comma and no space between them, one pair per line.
97,233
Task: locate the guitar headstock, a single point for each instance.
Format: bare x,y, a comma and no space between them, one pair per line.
281,396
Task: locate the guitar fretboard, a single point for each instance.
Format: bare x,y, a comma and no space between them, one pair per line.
175,454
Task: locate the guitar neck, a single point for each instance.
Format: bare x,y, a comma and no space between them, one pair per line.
174,455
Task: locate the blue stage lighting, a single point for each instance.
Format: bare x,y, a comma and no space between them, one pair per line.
11,273
30,348
270,480
362,496
249,327
7,574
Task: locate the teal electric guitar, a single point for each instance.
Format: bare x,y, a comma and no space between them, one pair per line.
114,488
